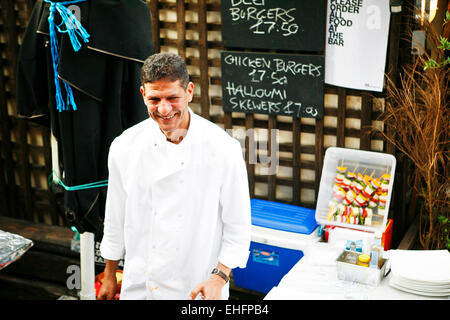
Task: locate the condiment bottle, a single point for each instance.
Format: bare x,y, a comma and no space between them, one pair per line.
363,260
376,251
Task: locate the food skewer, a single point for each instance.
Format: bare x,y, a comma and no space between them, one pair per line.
356,195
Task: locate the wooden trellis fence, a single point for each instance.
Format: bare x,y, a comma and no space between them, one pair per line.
193,29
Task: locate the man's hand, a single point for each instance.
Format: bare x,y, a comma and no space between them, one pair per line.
210,289
108,289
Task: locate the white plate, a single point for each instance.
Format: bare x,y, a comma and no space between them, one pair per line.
396,285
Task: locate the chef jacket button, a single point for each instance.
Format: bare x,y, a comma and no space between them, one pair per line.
182,163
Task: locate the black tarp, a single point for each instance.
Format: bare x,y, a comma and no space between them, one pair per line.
104,76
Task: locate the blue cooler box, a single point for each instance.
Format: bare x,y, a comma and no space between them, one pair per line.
278,233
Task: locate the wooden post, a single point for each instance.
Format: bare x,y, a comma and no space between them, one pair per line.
25,172
5,124
154,13
342,103
3,190
181,29
392,70
399,192
366,121
54,209
203,48
296,167
319,153
250,146
271,178
9,24
12,48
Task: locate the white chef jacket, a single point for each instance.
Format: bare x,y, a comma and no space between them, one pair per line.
174,211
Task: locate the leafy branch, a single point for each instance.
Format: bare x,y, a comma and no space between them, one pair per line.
444,45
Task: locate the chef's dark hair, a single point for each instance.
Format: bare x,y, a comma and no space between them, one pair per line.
167,66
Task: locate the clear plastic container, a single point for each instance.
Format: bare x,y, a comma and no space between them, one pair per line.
356,273
373,164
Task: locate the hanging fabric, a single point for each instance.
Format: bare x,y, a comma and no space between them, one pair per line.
104,76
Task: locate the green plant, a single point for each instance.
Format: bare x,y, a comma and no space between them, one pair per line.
443,45
444,225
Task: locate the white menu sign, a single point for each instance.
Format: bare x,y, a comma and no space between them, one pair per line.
356,43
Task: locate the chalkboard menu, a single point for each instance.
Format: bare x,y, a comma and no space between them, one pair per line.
276,84
274,24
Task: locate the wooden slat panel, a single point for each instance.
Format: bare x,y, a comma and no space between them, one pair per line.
154,12
286,182
319,153
366,121
399,193
9,31
25,173
21,289
3,190
250,152
181,28
203,48
342,104
188,25
296,164
400,200
199,12
11,196
271,178
227,121
192,43
409,241
392,62
9,21
54,211
307,128
45,237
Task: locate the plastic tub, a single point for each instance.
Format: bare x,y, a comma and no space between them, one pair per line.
367,163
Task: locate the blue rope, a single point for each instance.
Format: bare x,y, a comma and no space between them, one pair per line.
98,184
74,29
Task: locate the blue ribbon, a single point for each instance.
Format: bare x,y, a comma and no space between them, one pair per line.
74,29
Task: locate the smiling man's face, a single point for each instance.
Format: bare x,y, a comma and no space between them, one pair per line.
167,104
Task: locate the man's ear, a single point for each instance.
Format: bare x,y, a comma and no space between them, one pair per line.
190,90
142,91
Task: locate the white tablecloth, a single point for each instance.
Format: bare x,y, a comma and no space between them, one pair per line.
314,277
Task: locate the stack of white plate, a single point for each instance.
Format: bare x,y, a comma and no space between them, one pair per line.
422,272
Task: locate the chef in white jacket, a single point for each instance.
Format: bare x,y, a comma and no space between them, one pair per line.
178,205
